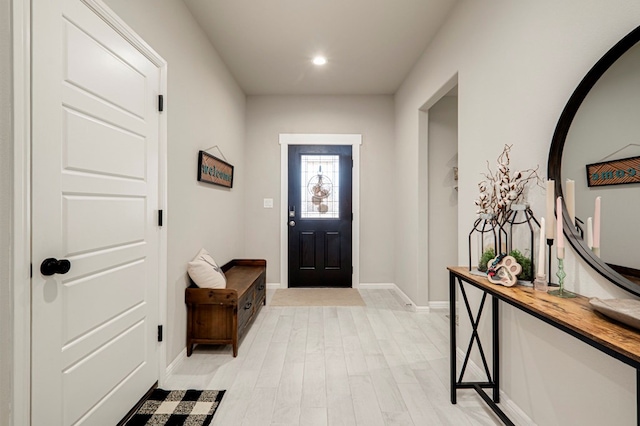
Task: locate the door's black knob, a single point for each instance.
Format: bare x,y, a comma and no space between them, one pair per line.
52,266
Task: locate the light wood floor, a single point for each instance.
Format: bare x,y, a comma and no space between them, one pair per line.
374,365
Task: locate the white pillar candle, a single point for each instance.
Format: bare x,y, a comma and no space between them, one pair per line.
541,250
570,200
559,231
596,224
550,200
590,233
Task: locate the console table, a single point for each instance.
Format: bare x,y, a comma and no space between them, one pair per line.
573,316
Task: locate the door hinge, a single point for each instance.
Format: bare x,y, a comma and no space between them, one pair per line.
159,217
351,216
159,333
31,270
160,103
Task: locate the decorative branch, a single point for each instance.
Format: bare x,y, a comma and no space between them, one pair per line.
500,190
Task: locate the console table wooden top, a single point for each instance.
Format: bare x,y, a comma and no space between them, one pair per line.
575,316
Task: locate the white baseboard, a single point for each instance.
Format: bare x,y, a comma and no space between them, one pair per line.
518,416
274,286
415,308
377,286
181,357
406,299
442,307
512,409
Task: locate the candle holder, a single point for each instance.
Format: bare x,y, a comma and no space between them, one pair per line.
540,283
549,249
579,227
561,292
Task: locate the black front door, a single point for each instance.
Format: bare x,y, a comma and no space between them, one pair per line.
320,216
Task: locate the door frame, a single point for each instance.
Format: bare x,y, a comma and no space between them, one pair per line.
286,139
21,200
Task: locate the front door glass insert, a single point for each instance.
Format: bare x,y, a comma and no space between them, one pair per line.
320,177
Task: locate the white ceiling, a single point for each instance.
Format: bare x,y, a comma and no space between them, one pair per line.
371,45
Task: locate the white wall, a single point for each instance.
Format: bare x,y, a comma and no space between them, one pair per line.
443,197
205,107
6,182
371,116
517,64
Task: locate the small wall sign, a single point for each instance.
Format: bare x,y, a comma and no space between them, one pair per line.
616,172
213,170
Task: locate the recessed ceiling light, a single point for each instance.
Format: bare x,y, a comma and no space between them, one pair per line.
319,60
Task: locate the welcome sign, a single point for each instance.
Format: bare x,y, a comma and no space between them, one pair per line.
213,170
616,172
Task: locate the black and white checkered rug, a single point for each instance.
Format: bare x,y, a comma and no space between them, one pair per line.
178,408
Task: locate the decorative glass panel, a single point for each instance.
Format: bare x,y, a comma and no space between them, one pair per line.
320,178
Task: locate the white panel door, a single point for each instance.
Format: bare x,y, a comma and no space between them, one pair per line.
94,202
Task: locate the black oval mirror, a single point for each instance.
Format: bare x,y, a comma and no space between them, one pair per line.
554,169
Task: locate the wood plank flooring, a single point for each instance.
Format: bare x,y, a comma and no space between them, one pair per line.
374,365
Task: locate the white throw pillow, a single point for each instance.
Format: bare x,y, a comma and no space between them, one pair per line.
205,272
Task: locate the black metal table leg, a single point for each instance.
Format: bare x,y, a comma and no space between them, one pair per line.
496,349
475,337
452,336
493,376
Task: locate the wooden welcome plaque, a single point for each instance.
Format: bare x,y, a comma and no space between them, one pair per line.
213,170
616,172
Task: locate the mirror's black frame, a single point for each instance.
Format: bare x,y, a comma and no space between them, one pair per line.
557,146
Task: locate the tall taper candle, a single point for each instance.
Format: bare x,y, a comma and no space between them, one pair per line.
596,224
551,196
541,249
559,233
590,233
570,200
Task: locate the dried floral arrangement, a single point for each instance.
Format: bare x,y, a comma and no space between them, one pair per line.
500,190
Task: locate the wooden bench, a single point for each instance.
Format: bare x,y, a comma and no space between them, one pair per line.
223,315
